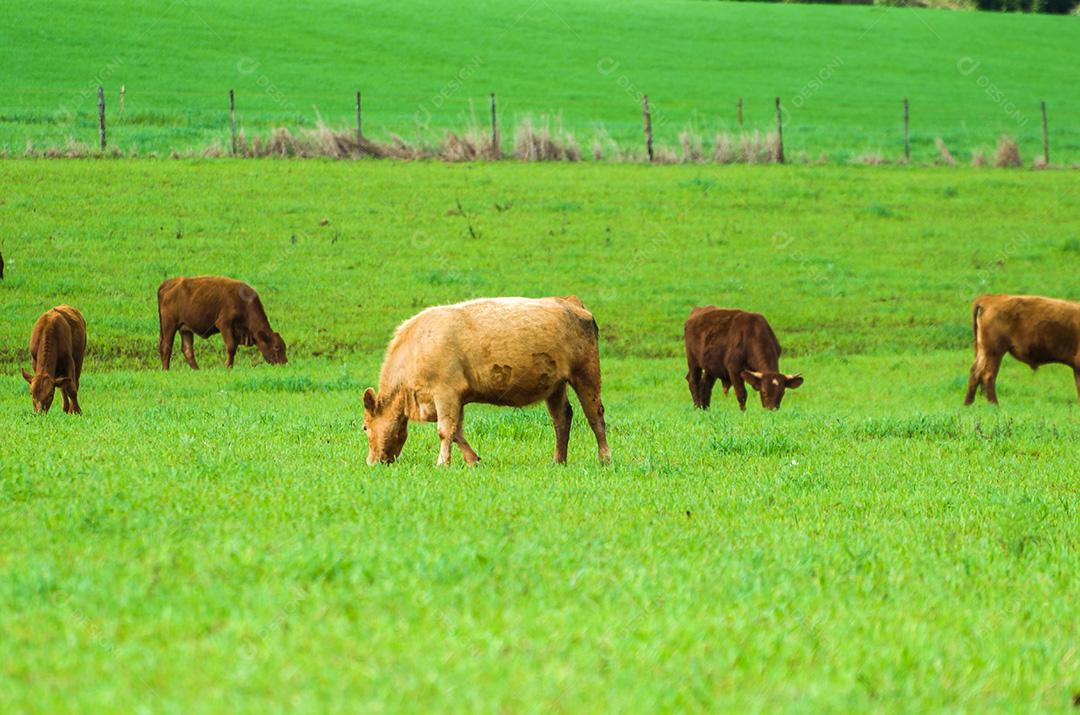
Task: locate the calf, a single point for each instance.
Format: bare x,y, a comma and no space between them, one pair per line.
500,351
57,348
1034,330
734,346
207,305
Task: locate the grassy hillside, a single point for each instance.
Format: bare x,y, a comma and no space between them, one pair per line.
212,541
425,65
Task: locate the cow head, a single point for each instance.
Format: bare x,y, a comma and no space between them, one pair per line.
271,346
387,429
771,386
43,388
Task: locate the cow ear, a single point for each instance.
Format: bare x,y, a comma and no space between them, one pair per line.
62,382
27,376
754,378
793,381
369,400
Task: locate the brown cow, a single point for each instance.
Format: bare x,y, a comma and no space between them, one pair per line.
734,346
500,351
207,305
57,348
1034,330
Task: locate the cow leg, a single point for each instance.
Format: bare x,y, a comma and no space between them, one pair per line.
75,409
979,371
187,345
71,391
989,378
561,416
587,388
165,344
227,334
693,378
973,382
1076,377
740,387
708,381
725,381
467,452
448,414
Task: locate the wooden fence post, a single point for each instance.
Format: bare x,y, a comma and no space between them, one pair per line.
647,118
739,105
101,114
1046,135
779,133
496,150
907,142
359,126
232,120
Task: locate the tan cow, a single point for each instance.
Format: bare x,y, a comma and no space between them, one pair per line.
206,305
1034,330
57,349
499,351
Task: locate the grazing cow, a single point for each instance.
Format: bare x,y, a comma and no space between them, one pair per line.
57,348
500,351
1034,330
735,346
207,305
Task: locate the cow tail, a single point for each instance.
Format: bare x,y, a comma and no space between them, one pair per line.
976,311
161,326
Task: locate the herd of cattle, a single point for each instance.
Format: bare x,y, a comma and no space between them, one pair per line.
518,351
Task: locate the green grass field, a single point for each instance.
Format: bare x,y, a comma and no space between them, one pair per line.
428,65
213,541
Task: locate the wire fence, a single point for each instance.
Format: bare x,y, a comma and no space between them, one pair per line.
155,121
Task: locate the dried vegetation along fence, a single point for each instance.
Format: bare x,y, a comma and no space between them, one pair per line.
542,140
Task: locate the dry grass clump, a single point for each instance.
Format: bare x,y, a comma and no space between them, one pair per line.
870,159
542,143
472,144
775,149
753,149
1008,153
74,149
723,153
944,156
322,141
978,157
746,148
604,147
666,155
758,148
690,143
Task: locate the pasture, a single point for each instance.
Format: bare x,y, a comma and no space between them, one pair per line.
426,66
204,541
